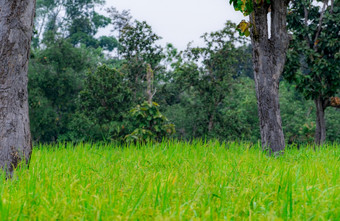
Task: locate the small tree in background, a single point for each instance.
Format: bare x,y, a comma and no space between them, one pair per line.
105,102
208,75
119,20
149,123
314,56
139,49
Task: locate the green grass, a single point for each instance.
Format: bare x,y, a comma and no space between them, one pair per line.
174,181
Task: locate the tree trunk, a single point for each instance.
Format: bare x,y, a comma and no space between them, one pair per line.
16,23
269,56
211,123
320,130
149,79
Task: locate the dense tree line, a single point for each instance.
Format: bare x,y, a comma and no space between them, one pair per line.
128,87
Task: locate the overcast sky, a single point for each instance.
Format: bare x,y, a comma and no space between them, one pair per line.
180,21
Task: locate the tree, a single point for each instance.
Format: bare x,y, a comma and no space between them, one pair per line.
66,50
200,92
314,56
46,19
213,81
119,20
83,22
269,56
139,49
105,101
56,75
80,23
16,28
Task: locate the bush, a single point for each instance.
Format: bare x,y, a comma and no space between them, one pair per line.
149,124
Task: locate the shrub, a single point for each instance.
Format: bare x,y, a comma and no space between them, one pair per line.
149,124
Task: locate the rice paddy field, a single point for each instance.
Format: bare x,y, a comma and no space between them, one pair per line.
174,180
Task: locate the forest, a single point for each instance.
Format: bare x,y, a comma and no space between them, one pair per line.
100,120
85,87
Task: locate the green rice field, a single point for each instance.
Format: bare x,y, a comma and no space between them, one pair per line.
174,180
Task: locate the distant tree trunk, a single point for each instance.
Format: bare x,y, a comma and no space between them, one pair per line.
16,23
320,130
211,123
321,105
269,56
149,78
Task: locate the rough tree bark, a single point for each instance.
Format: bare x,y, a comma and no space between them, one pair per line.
269,56
16,23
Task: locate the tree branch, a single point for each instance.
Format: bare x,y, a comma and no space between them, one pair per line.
325,4
306,24
332,6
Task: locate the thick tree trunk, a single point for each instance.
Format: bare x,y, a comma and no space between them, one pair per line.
269,56
320,130
16,22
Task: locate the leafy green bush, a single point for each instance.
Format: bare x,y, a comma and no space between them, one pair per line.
103,105
149,123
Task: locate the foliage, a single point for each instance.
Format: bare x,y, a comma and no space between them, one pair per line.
119,20
138,42
313,60
205,78
246,7
73,97
298,118
239,116
297,115
76,19
55,78
333,124
173,181
139,48
149,124
105,100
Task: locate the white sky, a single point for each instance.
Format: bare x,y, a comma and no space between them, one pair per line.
180,21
